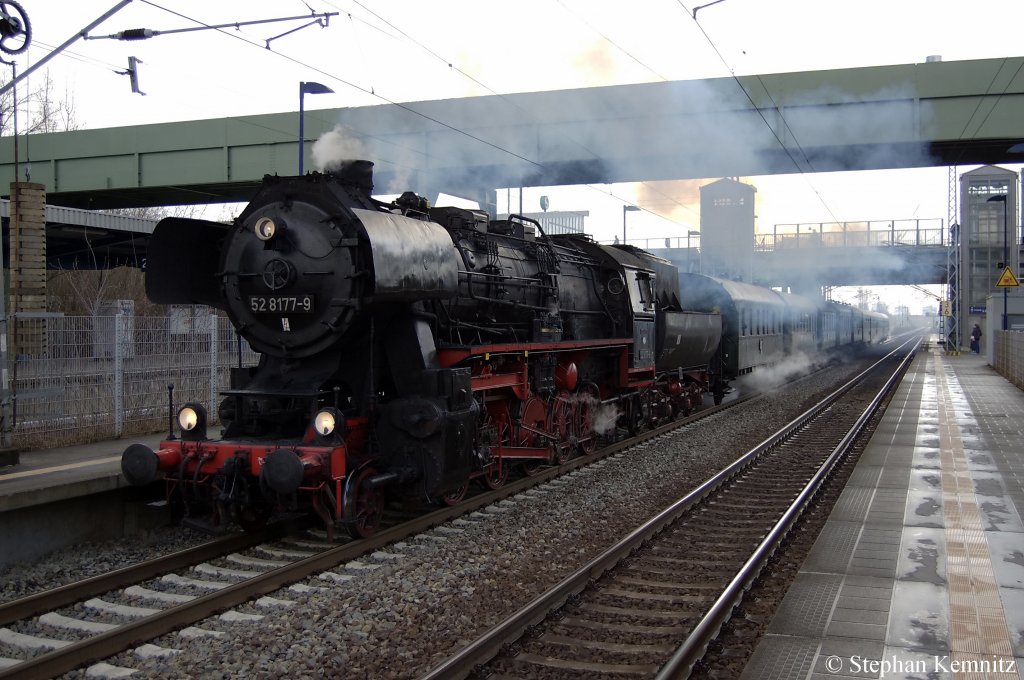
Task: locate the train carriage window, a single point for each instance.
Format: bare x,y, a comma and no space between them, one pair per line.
641,290
646,284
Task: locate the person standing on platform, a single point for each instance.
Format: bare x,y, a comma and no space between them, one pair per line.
976,339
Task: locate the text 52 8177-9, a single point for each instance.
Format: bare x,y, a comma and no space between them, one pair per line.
282,304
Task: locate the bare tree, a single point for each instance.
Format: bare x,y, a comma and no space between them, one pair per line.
49,114
83,290
45,112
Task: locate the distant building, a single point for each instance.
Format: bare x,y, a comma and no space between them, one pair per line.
727,229
989,235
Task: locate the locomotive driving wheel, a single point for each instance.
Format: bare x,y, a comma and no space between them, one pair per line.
455,496
638,414
495,475
532,467
560,424
363,505
533,419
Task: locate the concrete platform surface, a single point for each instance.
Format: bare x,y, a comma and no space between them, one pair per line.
919,572
67,472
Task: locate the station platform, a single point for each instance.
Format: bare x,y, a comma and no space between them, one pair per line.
52,475
919,571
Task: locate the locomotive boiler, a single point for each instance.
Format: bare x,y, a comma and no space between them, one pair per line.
407,350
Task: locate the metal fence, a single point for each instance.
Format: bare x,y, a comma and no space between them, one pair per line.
1008,356
914,232
81,379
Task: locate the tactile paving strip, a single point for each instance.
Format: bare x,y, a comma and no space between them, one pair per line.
977,621
781,658
808,605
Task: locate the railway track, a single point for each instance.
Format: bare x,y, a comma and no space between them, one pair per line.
679,577
143,601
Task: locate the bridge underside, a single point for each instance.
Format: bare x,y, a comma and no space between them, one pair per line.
900,116
810,269
562,173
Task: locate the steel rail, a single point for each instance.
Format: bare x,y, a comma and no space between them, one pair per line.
693,648
112,642
485,647
69,594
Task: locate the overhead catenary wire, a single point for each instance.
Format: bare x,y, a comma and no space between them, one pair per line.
372,92
760,114
360,88
452,66
977,106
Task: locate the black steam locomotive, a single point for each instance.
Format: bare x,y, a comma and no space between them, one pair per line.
408,350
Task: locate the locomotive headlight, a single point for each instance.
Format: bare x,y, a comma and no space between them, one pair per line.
265,228
188,418
192,421
325,422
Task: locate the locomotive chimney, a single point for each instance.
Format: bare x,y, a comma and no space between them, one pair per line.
356,173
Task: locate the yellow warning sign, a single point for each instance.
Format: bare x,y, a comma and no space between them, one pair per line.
1007,279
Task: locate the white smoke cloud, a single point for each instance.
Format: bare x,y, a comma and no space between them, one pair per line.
683,129
335,147
768,378
605,418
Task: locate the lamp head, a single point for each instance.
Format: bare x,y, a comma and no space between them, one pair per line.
314,88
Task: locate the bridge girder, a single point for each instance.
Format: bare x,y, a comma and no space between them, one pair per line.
900,116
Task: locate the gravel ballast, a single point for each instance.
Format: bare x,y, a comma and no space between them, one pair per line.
402,611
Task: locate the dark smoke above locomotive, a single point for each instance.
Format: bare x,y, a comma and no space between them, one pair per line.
406,350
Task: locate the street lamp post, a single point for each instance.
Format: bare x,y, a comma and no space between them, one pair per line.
1006,252
626,209
304,89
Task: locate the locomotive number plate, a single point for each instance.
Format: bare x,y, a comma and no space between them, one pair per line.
282,304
